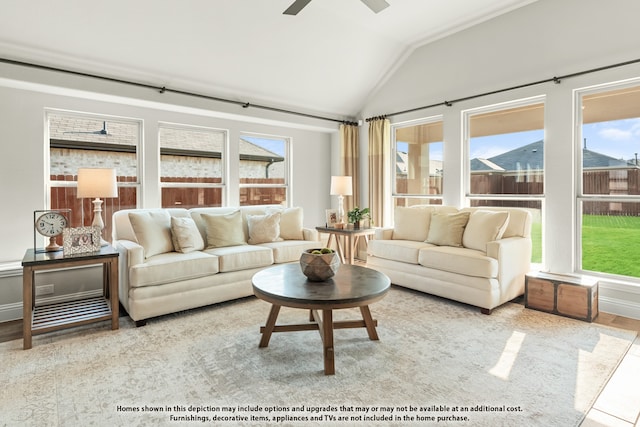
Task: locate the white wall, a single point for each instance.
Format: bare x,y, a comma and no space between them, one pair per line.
544,39
26,93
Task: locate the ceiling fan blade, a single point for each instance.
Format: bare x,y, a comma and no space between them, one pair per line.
376,5
296,7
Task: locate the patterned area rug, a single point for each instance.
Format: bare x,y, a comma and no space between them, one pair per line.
437,363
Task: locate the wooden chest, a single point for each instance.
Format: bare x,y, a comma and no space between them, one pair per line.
566,295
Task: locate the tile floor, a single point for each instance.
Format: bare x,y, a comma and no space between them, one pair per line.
619,403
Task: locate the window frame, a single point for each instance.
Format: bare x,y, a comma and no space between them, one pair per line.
223,185
580,197
470,198
287,167
86,215
427,198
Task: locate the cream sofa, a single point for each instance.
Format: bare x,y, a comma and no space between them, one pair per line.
477,256
176,259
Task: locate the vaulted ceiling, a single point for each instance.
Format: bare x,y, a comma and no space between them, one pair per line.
327,59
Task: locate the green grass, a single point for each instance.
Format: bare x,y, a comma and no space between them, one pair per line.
611,244
536,242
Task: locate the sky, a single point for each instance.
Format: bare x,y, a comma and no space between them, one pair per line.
619,139
274,145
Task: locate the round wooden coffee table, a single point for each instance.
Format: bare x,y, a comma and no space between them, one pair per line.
352,286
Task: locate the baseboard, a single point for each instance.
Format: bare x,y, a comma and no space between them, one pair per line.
13,311
621,299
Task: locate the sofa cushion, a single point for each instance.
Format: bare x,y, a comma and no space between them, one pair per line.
224,229
289,250
411,223
469,262
396,250
264,228
153,231
447,229
172,267
484,226
290,222
185,235
243,257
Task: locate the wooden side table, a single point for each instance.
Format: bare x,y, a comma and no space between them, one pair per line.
351,238
566,295
51,317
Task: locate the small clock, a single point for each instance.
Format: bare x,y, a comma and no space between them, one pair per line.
51,224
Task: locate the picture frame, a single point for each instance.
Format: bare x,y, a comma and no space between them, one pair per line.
79,240
331,216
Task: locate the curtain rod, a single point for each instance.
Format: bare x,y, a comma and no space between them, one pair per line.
556,80
164,89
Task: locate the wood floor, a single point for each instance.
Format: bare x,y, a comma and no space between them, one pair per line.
618,405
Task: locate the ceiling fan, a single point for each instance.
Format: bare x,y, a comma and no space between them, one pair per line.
375,5
102,131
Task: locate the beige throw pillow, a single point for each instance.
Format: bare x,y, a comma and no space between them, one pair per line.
290,222
153,231
264,228
411,223
484,226
447,229
185,234
224,230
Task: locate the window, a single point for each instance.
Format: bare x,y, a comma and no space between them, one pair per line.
417,165
89,141
191,166
609,193
506,160
264,169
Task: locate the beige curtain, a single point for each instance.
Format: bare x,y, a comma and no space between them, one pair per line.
379,172
349,162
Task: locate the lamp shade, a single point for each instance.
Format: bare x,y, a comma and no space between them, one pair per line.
97,182
341,186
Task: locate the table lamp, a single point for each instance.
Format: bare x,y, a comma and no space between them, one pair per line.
97,182
341,186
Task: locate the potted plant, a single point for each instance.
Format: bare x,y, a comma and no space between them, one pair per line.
356,215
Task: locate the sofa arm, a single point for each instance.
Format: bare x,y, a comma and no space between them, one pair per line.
383,233
310,234
514,261
130,254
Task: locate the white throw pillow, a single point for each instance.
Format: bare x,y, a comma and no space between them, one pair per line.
224,230
411,223
185,234
447,229
153,231
264,228
484,226
290,222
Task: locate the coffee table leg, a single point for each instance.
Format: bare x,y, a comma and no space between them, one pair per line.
368,321
271,324
327,342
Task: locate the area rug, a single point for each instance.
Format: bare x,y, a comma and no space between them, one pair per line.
437,363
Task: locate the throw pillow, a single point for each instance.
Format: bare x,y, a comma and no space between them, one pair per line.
290,222
185,234
411,223
447,229
153,231
224,230
264,228
484,226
